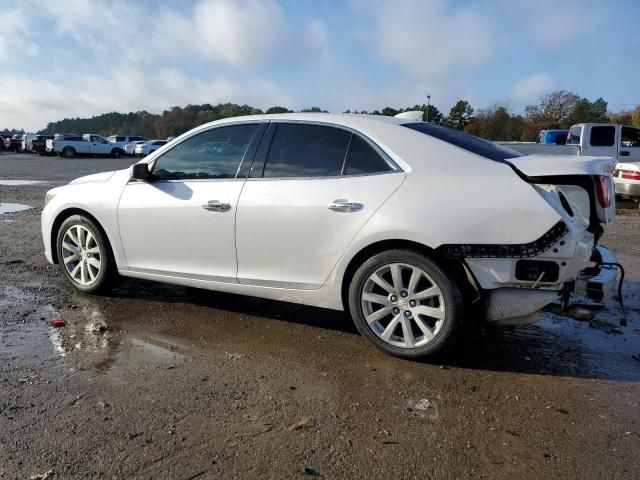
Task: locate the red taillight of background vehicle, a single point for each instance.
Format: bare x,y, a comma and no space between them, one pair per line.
629,174
603,187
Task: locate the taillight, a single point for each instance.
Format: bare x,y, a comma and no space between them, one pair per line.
628,174
603,187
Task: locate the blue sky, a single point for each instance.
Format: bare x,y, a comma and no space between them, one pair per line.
84,57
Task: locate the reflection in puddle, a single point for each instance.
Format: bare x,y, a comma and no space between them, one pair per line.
135,354
12,207
14,183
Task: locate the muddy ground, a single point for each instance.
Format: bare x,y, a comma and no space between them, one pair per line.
193,384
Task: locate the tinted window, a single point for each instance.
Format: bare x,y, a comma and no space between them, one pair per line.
300,150
603,136
630,137
364,159
134,139
216,153
476,145
574,136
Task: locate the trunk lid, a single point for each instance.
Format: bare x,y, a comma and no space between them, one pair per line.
590,174
555,165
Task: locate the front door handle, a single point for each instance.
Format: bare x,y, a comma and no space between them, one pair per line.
624,153
216,206
345,206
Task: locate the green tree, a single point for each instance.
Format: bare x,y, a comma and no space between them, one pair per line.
313,110
278,110
585,111
459,115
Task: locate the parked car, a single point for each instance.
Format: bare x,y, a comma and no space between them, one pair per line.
3,144
130,148
39,144
348,212
555,137
14,143
122,140
69,146
602,140
151,146
27,138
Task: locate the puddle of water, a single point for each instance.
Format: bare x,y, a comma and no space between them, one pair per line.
13,183
13,207
135,354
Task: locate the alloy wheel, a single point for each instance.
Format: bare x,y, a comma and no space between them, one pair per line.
81,255
403,305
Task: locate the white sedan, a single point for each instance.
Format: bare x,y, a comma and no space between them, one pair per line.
130,148
403,224
145,148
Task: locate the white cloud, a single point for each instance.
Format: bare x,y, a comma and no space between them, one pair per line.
34,102
15,40
552,25
428,39
531,88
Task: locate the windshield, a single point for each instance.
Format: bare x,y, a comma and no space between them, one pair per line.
472,144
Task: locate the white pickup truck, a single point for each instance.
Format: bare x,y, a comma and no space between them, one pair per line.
69,146
599,139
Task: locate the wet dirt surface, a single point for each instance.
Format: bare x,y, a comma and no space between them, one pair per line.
157,381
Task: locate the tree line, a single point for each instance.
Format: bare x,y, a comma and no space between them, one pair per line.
558,109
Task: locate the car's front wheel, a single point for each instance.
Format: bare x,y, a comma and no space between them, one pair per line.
405,304
84,255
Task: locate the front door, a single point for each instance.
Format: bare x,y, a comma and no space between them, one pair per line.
317,188
183,222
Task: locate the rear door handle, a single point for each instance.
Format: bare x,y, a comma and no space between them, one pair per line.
624,153
345,206
216,206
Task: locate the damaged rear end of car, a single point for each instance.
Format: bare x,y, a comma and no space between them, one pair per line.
568,258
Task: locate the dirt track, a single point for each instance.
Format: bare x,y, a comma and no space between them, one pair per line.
194,384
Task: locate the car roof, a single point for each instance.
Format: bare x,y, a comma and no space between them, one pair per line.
353,120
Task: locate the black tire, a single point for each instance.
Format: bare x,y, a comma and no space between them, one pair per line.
68,152
108,272
117,153
451,326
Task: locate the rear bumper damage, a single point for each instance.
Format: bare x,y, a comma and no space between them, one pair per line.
597,282
523,306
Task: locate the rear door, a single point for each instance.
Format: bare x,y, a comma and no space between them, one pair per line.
311,189
601,141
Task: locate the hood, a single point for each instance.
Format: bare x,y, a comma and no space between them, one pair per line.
554,165
95,178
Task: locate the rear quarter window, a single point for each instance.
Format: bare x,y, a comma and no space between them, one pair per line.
472,144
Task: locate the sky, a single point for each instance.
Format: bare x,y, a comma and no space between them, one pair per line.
70,58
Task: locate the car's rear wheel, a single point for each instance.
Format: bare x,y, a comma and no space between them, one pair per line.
405,304
117,153
84,255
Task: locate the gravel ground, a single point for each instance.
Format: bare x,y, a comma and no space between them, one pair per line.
157,381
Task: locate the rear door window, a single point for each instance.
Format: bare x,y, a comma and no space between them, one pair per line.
604,136
305,150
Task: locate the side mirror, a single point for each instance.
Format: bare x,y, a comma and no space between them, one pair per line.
140,171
